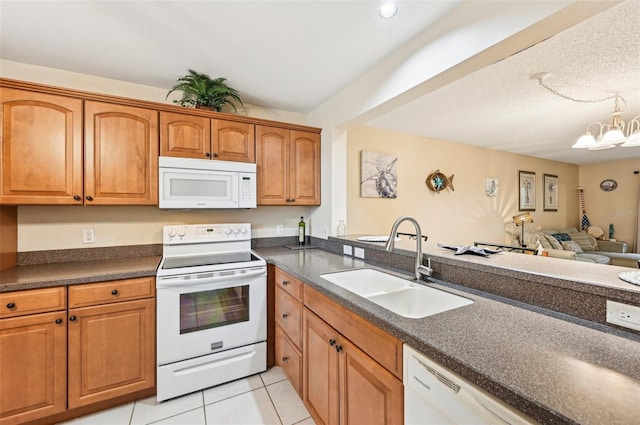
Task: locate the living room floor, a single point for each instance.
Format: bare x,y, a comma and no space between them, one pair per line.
266,398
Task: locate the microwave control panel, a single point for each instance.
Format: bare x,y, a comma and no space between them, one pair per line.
247,190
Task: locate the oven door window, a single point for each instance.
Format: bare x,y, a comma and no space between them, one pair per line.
213,308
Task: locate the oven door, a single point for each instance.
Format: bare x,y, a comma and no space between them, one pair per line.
205,313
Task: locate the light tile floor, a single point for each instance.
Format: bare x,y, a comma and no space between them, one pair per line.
263,399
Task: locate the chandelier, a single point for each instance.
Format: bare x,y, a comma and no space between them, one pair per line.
605,135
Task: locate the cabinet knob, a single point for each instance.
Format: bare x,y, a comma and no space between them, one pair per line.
114,292
284,359
207,154
58,321
285,315
77,197
72,318
293,200
215,155
285,282
332,342
338,348
11,305
89,198
288,200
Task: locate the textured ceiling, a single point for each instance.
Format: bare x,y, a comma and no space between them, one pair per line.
299,55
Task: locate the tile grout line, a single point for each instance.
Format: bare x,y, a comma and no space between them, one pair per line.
204,408
266,388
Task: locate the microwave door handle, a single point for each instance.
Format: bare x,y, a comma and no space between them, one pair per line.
177,281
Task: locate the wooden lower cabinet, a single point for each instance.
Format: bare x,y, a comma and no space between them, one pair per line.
111,351
342,384
33,367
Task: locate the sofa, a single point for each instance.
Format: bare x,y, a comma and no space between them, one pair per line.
572,244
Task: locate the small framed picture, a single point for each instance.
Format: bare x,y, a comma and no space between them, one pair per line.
527,190
491,187
550,183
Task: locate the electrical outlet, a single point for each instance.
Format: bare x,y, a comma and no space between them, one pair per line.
347,249
280,229
623,315
359,253
88,236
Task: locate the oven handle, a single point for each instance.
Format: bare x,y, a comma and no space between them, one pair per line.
167,282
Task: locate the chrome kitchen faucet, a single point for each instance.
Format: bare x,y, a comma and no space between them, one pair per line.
420,270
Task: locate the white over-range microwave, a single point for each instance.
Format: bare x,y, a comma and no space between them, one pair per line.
186,183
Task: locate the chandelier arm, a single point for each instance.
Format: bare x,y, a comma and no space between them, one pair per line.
557,93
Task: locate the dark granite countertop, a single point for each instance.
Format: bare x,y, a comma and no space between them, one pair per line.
75,272
553,367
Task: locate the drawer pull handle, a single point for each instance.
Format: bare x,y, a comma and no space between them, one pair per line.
338,348
332,342
58,321
285,315
285,282
114,292
11,305
284,359
72,318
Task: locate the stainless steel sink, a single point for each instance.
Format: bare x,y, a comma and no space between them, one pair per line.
401,296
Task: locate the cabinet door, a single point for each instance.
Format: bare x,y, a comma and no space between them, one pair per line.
369,394
121,155
185,136
111,351
233,141
272,159
41,138
33,367
305,168
320,365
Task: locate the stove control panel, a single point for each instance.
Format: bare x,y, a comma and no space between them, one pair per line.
197,233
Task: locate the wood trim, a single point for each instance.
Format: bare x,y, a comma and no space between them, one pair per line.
379,345
25,85
8,236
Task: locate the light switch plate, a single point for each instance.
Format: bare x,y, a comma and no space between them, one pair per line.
347,249
623,315
359,253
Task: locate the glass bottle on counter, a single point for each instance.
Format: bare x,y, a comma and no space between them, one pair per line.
342,229
301,231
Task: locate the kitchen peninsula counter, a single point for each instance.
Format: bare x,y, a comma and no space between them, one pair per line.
554,367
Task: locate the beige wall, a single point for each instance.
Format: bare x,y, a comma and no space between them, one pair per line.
618,207
454,217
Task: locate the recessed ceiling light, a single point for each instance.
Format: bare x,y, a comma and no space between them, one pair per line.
388,10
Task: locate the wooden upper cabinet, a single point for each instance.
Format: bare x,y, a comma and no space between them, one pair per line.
190,136
233,141
288,166
272,154
41,138
305,168
186,136
121,155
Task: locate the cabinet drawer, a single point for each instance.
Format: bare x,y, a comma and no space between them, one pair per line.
290,284
289,359
382,347
289,316
112,291
19,303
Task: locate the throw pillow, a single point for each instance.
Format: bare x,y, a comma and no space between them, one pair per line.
539,237
562,237
555,244
584,241
572,246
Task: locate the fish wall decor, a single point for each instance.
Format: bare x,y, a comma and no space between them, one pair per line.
437,181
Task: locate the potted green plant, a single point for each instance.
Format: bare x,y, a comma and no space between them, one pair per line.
201,91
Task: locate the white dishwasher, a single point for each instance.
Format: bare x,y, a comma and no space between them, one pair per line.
435,395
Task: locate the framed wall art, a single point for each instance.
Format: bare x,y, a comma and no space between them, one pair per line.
527,190
378,175
550,183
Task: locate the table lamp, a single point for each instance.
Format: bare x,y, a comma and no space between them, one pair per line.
520,220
